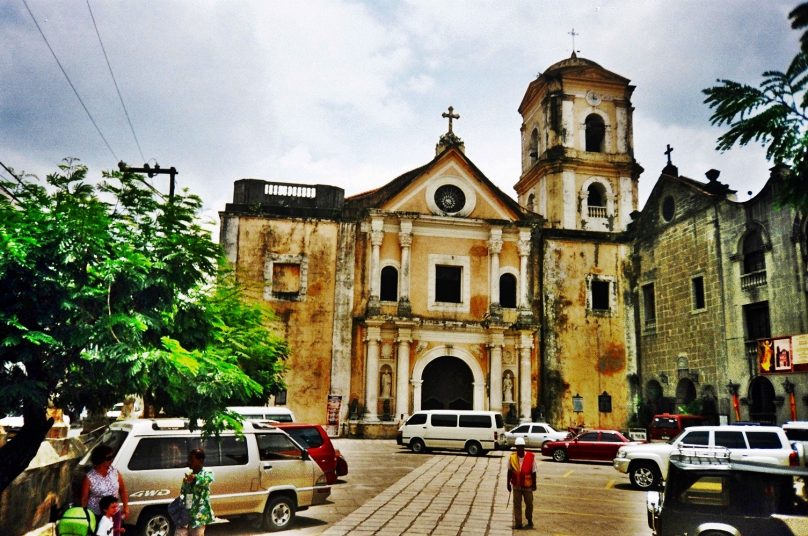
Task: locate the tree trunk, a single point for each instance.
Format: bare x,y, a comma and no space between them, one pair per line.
18,452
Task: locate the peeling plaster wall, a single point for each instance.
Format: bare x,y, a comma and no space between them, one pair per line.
585,352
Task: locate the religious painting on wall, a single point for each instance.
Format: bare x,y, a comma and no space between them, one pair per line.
765,356
782,354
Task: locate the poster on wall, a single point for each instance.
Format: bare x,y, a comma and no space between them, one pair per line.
783,354
332,415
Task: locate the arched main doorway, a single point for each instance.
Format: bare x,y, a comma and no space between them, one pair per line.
761,401
448,384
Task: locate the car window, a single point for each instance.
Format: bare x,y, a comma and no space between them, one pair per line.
475,421
225,451
730,439
701,437
113,439
613,438
589,436
308,437
276,447
707,491
521,429
418,418
160,453
280,417
444,420
539,429
764,440
665,422
796,434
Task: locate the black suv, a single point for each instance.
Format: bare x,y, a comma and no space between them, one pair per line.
707,494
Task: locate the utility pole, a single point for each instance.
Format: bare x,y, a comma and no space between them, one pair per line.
151,172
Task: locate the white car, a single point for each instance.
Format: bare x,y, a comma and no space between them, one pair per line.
647,464
535,434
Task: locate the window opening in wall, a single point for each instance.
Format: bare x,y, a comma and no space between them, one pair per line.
507,290
757,324
698,293
668,208
285,278
753,254
389,284
649,305
595,133
531,202
447,283
534,146
596,200
600,295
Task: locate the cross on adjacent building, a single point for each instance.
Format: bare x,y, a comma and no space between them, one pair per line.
451,115
668,152
573,33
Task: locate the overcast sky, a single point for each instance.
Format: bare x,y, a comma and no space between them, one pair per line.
350,93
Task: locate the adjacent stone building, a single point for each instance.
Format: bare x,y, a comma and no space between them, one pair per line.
438,290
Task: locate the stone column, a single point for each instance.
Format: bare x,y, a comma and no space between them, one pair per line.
525,395
416,394
374,335
376,237
403,373
405,239
494,248
479,395
524,255
495,372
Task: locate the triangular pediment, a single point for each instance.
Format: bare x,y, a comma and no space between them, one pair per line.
449,186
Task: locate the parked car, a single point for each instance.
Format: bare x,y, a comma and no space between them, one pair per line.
115,411
314,439
535,434
264,413
476,432
666,426
797,433
707,493
600,445
262,471
647,464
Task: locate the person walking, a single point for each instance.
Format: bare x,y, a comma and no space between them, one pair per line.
103,480
195,491
522,479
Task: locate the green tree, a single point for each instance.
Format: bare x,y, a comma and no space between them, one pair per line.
773,115
110,290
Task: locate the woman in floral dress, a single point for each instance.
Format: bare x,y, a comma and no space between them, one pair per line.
101,480
195,492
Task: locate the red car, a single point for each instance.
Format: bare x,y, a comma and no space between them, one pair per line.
313,438
598,445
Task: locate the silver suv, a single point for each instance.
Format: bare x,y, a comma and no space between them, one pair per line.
647,463
262,471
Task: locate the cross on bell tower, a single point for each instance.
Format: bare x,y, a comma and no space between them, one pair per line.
450,139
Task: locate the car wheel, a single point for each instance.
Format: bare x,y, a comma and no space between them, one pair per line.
155,522
560,455
474,449
417,446
279,513
644,476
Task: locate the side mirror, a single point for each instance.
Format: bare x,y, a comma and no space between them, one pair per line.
652,502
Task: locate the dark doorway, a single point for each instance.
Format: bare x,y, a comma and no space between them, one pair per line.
447,385
761,401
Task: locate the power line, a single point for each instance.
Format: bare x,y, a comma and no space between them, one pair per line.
125,111
68,80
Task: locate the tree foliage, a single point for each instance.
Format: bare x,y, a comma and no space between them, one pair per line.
111,289
773,115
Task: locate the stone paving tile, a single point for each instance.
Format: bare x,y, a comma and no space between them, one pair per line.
446,496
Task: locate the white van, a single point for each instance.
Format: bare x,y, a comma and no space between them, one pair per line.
264,413
476,432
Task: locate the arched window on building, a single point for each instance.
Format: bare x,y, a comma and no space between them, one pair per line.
595,133
507,290
596,200
754,259
533,151
389,290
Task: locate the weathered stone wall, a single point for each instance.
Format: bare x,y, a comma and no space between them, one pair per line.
45,486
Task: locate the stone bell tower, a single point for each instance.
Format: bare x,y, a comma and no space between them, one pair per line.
578,167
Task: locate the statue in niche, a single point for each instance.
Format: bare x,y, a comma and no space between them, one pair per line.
507,388
387,383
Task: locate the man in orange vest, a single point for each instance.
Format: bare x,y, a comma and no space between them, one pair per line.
522,478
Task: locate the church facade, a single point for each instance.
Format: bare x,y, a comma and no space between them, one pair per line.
565,303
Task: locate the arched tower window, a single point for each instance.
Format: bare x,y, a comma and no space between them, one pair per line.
754,259
507,290
389,290
595,133
596,195
533,151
